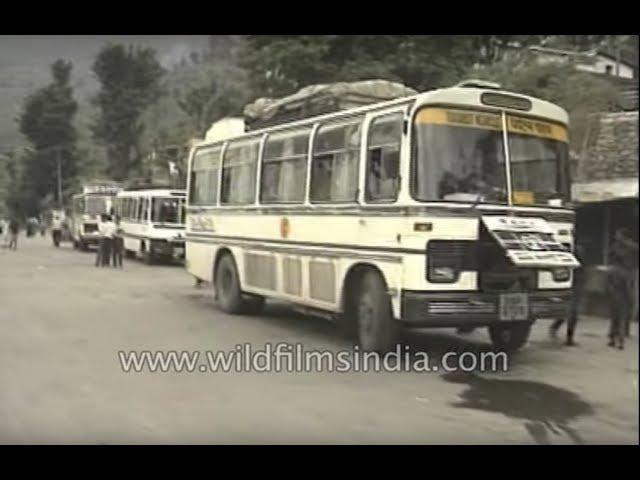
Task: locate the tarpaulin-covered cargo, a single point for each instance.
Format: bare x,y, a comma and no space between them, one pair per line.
320,99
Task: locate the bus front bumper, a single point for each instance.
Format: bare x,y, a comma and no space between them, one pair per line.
169,248
90,239
455,309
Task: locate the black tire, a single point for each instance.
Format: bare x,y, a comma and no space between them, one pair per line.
147,255
509,338
227,284
377,329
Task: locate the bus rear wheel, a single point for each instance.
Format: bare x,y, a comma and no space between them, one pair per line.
509,338
228,292
377,329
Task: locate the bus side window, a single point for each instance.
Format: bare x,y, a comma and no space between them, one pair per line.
383,158
204,177
284,167
239,172
334,167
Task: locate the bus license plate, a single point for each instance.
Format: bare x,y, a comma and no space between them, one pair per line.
514,306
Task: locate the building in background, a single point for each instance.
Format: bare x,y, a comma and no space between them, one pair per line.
594,61
605,190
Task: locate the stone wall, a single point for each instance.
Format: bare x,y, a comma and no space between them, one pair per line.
611,148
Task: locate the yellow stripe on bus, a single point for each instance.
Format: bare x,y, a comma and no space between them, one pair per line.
491,121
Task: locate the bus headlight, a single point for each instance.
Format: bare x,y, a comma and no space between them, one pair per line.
447,258
442,274
561,274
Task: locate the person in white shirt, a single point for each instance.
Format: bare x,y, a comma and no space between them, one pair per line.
56,227
107,231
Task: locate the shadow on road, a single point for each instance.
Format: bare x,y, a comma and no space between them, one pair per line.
546,409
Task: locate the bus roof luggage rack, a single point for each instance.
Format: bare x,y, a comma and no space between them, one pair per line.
137,184
475,83
321,99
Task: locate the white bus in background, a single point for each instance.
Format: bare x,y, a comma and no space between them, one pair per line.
87,209
447,208
152,223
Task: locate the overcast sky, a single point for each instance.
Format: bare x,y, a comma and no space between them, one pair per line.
20,50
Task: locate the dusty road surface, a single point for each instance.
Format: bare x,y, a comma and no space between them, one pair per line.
62,322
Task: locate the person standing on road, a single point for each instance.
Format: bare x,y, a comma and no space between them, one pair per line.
100,249
578,290
56,228
14,230
118,243
624,258
107,232
4,232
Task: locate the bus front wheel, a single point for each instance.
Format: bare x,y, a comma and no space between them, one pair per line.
376,327
228,285
509,338
147,255
228,292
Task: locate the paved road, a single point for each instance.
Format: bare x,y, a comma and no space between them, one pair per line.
62,322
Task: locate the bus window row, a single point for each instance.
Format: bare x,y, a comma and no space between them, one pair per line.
161,210
334,161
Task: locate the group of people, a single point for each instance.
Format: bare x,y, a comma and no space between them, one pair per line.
621,286
9,232
111,244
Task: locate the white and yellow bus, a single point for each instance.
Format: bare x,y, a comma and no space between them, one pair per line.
152,223
449,208
87,209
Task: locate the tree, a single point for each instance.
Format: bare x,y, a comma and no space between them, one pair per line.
208,103
281,64
129,82
47,121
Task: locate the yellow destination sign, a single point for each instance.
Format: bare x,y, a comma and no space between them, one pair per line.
492,121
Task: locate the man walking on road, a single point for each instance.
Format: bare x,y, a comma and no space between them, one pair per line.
118,244
578,289
14,229
624,258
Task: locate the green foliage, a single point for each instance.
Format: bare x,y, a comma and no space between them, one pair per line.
46,121
281,64
129,82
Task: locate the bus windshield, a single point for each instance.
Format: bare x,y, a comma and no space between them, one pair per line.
96,205
459,155
168,210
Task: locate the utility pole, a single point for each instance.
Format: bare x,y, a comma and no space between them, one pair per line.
60,177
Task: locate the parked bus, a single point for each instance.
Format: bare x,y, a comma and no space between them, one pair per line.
449,208
152,223
87,209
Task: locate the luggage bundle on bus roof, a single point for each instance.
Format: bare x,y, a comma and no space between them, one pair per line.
320,99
